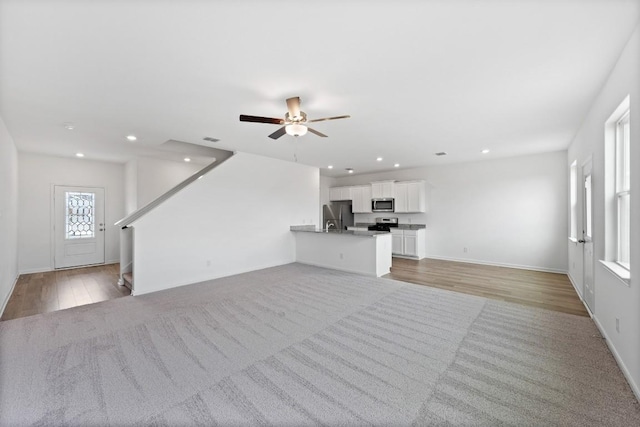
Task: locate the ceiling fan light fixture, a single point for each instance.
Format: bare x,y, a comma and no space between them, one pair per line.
296,129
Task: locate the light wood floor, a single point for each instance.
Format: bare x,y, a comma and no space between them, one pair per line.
551,291
56,290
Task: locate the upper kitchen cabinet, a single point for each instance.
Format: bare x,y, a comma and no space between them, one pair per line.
382,189
410,197
361,196
339,193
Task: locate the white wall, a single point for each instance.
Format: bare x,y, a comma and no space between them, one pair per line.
613,299
506,212
8,215
37,175
235,219
131,186
155,177
509,212
148,178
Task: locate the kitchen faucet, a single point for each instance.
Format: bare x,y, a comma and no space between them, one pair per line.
328,225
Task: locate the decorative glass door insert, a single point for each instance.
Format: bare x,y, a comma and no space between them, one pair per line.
80,215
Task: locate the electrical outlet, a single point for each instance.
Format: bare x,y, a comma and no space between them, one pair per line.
617,325
208,263
341,255
465,250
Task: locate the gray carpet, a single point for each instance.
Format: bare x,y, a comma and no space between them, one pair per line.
298,345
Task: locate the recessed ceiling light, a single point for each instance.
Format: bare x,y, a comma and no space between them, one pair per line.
69,126
397,165
186,159
441,153
379,159
131,137
485,151
330,167
349,170
79,155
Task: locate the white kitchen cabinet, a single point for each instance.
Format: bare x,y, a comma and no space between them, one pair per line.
410,197
339,193
361,196
382,189
397,237
409,243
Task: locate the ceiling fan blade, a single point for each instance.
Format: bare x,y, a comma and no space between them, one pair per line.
277,134
258,119
328,118
293,105
316,132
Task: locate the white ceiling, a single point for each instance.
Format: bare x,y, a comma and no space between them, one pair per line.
417,77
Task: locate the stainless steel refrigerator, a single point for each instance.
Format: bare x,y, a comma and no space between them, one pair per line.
337,216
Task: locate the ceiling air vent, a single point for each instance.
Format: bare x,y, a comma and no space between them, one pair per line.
208,138
441,153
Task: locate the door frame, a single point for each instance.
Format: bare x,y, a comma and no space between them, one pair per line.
586,298
52,223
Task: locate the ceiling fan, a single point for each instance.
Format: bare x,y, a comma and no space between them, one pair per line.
294,122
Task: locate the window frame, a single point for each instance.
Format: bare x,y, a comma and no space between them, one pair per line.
573,201
622,187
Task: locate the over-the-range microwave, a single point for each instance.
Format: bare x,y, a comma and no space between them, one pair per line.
382,205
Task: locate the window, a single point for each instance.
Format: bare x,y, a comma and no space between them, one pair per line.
623,191
617,193
588,208
573,192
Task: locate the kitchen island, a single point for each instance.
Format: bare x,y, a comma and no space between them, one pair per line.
363,252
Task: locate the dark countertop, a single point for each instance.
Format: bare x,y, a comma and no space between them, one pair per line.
400,226
313,229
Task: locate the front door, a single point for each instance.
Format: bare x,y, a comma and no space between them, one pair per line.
587,236
78,226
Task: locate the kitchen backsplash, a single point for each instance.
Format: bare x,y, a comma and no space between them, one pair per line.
416,218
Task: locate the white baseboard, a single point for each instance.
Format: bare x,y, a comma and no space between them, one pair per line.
623,367
35,270
575,287
573,283
499,264
46,269
6,300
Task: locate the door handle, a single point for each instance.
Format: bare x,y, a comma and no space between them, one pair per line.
581,241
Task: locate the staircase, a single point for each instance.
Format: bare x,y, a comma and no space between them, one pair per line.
128,280
126,231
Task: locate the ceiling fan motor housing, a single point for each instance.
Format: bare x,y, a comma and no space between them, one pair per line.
297,119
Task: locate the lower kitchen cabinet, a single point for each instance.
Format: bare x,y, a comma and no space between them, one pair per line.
397,242
409,243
